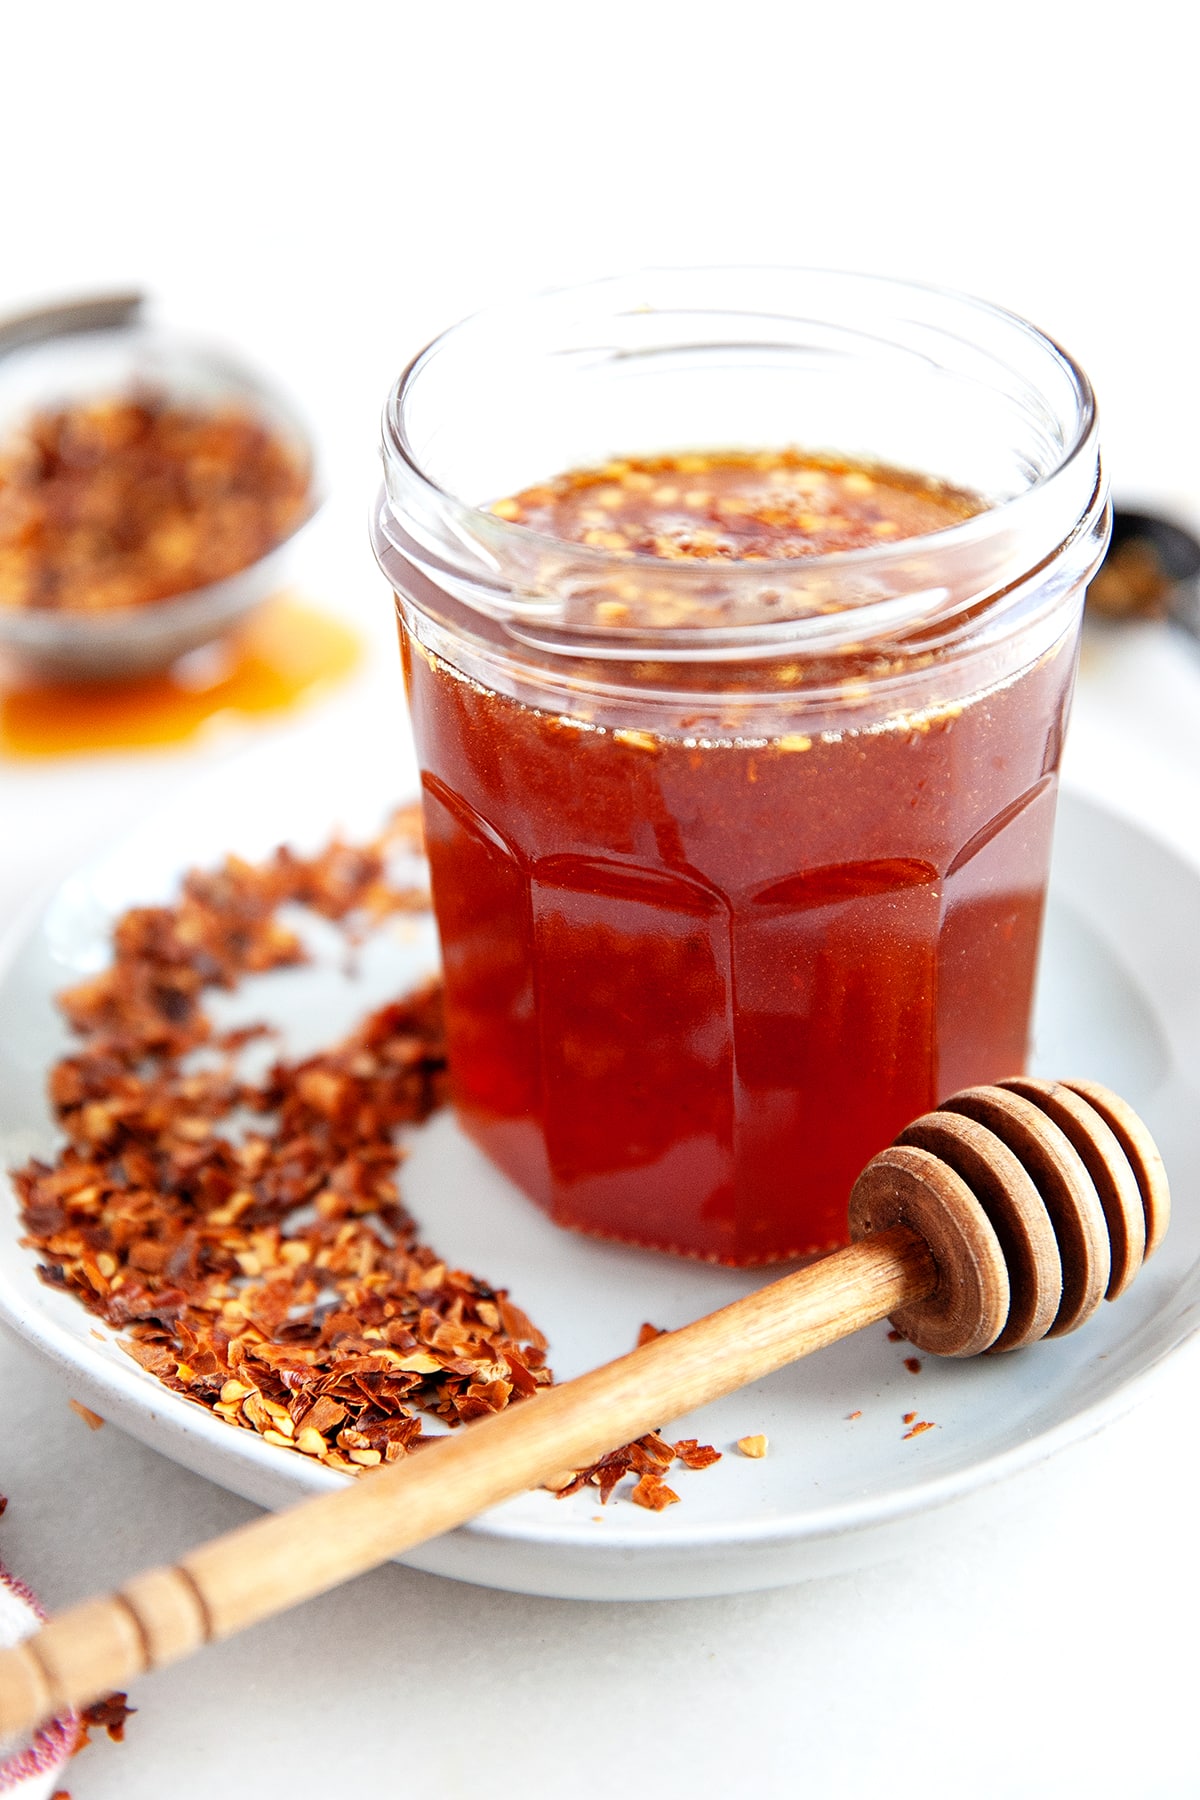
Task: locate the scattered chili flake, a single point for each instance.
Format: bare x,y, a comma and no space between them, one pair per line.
649,1458
922,1425
108,1714
753,1446
654,1494
648,1455
274,1276
913,1364
896,1337
694,1455
92,1420
855,1415
129,500
908,1418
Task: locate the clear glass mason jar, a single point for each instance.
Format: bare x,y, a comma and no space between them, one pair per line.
738,866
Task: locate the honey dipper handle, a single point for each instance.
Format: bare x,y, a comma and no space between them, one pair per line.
282,1558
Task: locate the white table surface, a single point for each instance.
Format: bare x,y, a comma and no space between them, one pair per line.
1045,1628
327,187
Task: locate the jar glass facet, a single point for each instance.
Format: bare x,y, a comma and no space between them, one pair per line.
732,890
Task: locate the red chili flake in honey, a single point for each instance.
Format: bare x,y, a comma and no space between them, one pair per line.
913,1364
737,505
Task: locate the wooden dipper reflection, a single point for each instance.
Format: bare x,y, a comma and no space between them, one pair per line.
1004,1216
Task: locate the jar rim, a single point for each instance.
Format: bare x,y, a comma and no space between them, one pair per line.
488,557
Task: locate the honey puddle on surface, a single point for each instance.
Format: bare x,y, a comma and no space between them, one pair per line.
281,656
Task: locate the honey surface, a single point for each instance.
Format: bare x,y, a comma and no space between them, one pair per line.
738,506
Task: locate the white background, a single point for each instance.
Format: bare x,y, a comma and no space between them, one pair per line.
333,184
327,186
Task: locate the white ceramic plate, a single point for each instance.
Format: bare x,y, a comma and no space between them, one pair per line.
1120,1002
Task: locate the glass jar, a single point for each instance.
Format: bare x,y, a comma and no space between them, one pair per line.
738,866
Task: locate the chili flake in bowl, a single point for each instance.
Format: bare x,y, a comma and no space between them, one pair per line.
147,492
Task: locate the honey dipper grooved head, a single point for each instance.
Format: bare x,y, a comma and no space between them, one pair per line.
1036,1198
1141,1151
1112,1177
1007,1194
967,1311
1067,1190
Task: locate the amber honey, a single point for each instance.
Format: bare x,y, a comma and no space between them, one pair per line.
739,610
694,981
286,653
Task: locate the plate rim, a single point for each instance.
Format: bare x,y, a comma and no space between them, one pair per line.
169,1416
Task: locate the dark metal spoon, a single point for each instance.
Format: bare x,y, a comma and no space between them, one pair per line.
1151,571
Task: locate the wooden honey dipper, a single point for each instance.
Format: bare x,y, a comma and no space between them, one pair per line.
1003,1217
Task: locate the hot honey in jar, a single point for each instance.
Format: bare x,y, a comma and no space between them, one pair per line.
739,817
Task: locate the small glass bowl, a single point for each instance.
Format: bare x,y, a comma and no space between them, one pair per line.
102,346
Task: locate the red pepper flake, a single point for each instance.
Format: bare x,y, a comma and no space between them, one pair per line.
896,1337
732,503
855,1415
648,1457
694,1455
92,1420
648,1333
908,1418
922,1425
273,1275
654,1494
125,501
913,1364
108,1714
